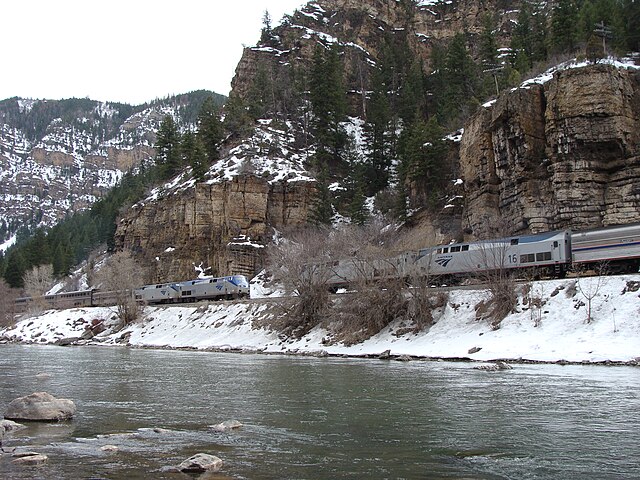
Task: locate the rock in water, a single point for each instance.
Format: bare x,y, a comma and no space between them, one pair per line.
30,458
228,425
7,426
201,462
40,407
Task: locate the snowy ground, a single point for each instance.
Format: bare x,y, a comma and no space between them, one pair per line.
562,332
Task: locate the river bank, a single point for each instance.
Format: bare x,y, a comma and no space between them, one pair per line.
555,332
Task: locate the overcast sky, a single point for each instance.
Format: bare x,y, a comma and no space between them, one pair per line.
130,51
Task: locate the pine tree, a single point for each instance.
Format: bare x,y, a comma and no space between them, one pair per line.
210,129
564,21
322,210
377,135
357,206
328,102
168,148
16,267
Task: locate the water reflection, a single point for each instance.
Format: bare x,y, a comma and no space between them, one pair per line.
322,418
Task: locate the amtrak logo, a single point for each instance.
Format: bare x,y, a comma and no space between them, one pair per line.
219,287
443,261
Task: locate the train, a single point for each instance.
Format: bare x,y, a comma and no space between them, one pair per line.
219,288
543,255
548,254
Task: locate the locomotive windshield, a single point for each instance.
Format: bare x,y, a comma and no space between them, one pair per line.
241,281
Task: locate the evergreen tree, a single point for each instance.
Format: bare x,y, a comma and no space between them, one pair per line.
328,103
237,120
16,267
210,129
322,210
168,148
423,154
377,135
564,22
357,206
460,77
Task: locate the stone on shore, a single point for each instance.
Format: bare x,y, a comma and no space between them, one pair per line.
201,462
40,407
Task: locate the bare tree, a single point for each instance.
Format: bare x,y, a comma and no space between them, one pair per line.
8,309
37,282
121,274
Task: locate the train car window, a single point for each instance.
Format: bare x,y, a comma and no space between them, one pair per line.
465,248
539,257
439,250
186,292
547,255
555,244
445,250
455,249
527,258
514,241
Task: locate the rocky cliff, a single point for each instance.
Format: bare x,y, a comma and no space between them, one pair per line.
218,228
560,152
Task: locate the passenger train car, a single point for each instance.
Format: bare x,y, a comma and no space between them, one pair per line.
546,252
618,246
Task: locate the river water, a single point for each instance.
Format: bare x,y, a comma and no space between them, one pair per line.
311,418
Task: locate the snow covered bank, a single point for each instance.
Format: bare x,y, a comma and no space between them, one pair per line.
556,331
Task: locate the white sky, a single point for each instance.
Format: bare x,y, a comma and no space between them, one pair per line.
130,51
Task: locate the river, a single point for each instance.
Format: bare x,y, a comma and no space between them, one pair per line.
312,418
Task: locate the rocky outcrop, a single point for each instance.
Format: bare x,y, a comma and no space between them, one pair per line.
40,407
560,154
219,227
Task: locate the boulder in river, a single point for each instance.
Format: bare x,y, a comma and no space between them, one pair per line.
40,407
201,462
227,425
499,365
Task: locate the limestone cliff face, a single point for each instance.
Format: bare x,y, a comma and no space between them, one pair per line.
221,227
562,154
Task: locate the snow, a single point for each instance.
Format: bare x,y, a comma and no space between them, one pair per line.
8,244
562,332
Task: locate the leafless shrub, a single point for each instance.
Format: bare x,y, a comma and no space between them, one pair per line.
121,274
589,286
379,290
533,299
302,263
494,257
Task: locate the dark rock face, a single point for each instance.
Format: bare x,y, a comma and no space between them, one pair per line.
559,155
40,407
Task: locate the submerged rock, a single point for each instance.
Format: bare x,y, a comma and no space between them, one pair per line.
8,426
494,367
227,425
40,407
29,458
201,462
